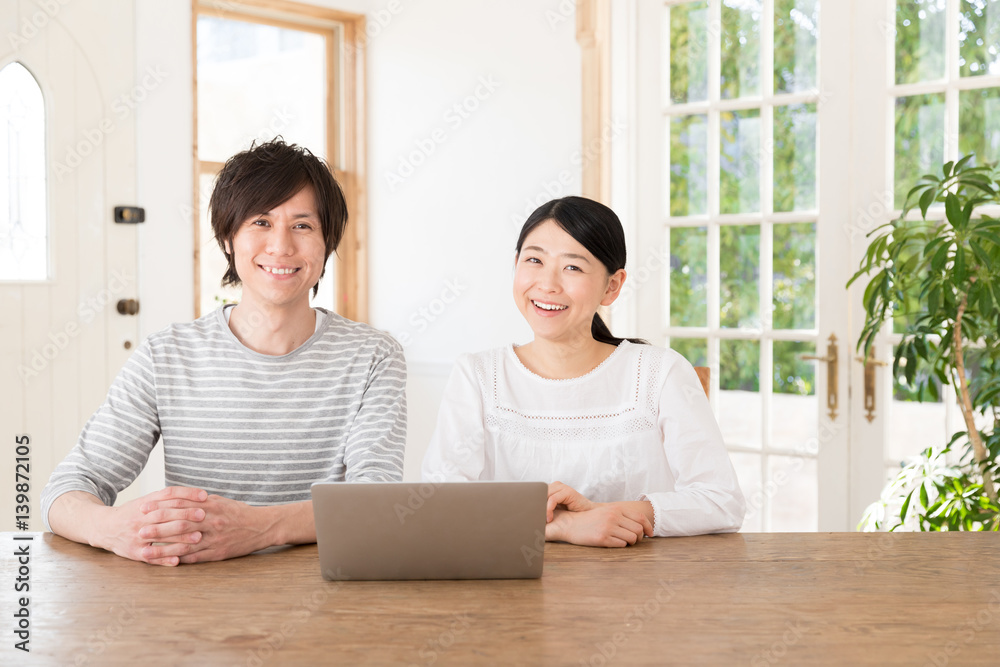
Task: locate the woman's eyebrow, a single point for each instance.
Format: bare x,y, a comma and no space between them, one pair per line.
568,255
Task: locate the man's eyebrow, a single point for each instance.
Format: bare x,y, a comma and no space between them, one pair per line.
568,255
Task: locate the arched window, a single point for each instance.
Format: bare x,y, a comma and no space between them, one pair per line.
24,251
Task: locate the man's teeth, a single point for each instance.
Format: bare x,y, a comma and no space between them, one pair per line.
279,272
549,306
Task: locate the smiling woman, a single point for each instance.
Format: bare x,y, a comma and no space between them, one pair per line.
621,430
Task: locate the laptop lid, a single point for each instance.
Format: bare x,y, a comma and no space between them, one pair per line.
451,530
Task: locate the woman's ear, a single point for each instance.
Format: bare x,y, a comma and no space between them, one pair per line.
225,245
614,289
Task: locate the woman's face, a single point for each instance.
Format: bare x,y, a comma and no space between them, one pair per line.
279,255
559,284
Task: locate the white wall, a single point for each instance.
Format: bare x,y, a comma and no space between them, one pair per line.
445,230
449,190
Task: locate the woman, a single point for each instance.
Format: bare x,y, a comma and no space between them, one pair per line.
620,429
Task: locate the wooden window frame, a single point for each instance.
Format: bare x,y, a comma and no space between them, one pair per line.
345,131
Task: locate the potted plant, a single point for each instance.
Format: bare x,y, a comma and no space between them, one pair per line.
941,278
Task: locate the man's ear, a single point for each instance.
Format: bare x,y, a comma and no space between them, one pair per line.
614,290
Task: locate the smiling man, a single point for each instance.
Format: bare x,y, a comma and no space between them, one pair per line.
253,402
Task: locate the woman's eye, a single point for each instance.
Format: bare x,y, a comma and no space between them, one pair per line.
260,223
572,267
533,260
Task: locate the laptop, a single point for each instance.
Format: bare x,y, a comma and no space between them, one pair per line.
449,530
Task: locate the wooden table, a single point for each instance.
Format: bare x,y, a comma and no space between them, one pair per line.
750,599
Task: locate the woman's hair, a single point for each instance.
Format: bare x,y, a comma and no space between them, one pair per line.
594,226
267,175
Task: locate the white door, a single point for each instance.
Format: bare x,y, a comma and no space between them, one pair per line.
62,339
742,186
927,91
770,137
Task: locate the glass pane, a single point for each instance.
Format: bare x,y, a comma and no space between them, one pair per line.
794,276
740,48
24,234
794,490
688,25
795,158
919,140
739,397
695,350
913,427
256,82
920,43
688,277
688,165
979,124
748,472
796,29
739,163
794,406
739,276
979,37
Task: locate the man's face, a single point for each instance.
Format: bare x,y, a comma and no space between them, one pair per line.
279,255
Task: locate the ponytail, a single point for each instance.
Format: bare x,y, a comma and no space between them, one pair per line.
599,330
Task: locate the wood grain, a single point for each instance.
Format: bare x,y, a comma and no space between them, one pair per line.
758,599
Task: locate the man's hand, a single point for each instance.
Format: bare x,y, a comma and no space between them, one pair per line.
128,530
562,496
228,529
605,525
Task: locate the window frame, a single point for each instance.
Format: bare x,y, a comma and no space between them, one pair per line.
345,130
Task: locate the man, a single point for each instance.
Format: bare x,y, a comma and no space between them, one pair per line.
254,402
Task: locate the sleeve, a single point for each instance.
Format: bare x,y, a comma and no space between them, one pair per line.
706,496
456,452
376,442
115,443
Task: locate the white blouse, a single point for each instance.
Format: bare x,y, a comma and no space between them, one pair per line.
637,427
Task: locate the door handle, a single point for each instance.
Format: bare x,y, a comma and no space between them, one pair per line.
831,374
871,363
128,306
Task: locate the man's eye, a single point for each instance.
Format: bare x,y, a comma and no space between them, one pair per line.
533,260
260,223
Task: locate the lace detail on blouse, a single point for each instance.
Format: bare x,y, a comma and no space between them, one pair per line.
638,415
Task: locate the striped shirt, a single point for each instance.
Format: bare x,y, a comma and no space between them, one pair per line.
251,427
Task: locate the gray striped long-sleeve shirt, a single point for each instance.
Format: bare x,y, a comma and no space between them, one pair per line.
251,427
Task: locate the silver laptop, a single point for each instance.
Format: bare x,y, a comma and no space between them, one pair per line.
452,530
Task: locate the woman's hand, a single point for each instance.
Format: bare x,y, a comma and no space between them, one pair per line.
566,497
604,525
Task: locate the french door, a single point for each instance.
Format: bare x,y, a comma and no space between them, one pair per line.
768,138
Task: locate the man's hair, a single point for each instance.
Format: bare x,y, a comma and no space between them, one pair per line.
267,175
